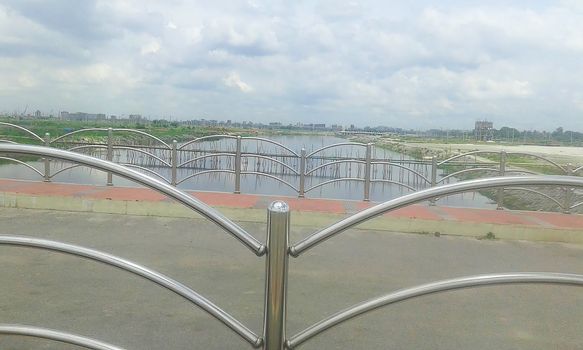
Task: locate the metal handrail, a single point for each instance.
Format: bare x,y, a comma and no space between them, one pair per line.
403,167
463,171
23,163
206,211
334,180
250,155
333,163
423,195
144,272
149,171
8,141
23,129
272,142
394,183
205,156
76,148
143,133
198,139
112,129
143,152
76,132
467,154
336,145
64,169
271,177
530,190
205,172
50,334
433,288
539,157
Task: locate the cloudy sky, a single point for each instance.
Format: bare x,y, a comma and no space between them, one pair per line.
421,65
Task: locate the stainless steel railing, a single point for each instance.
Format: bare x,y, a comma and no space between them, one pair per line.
277,249
298,171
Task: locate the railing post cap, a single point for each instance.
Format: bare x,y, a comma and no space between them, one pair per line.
278,207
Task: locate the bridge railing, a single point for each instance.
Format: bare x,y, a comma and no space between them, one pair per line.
277,250
301,172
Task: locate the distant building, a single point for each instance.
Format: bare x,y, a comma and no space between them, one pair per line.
484,130
135,117
37,114
80,116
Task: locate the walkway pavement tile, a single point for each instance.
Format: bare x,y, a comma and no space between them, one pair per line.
317,205
486,216
557,220
44,188
221,199
560,220
127,193
412,212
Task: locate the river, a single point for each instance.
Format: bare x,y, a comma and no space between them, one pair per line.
223,182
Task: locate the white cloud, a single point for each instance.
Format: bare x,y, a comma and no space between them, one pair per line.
414,64
150,48
234,80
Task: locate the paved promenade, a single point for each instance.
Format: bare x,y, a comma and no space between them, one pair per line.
542,226
76,295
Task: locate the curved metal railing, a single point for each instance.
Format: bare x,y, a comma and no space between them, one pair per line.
136,269
275,143
358,144
432,288
23,129
209,213
427,194
313,166
63,337
122,171
277,251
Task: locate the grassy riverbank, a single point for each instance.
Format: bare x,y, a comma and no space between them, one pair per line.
164,131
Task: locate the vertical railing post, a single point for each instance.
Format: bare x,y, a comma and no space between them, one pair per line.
433,177
278,219
302,190
109,155
367,172
47,161
174,161
500,191
569,191
238,166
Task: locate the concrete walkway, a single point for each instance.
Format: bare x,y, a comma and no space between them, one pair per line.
53,290
538,226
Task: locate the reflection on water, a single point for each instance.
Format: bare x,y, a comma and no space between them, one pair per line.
223,182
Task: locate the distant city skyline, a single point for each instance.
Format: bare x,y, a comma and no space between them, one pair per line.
412,65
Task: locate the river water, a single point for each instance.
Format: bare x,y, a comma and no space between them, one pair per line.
223,182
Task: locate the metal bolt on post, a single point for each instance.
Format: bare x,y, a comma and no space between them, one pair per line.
47,161
109,155
238,166
367,172
500,191
174,160
302,190
278,220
